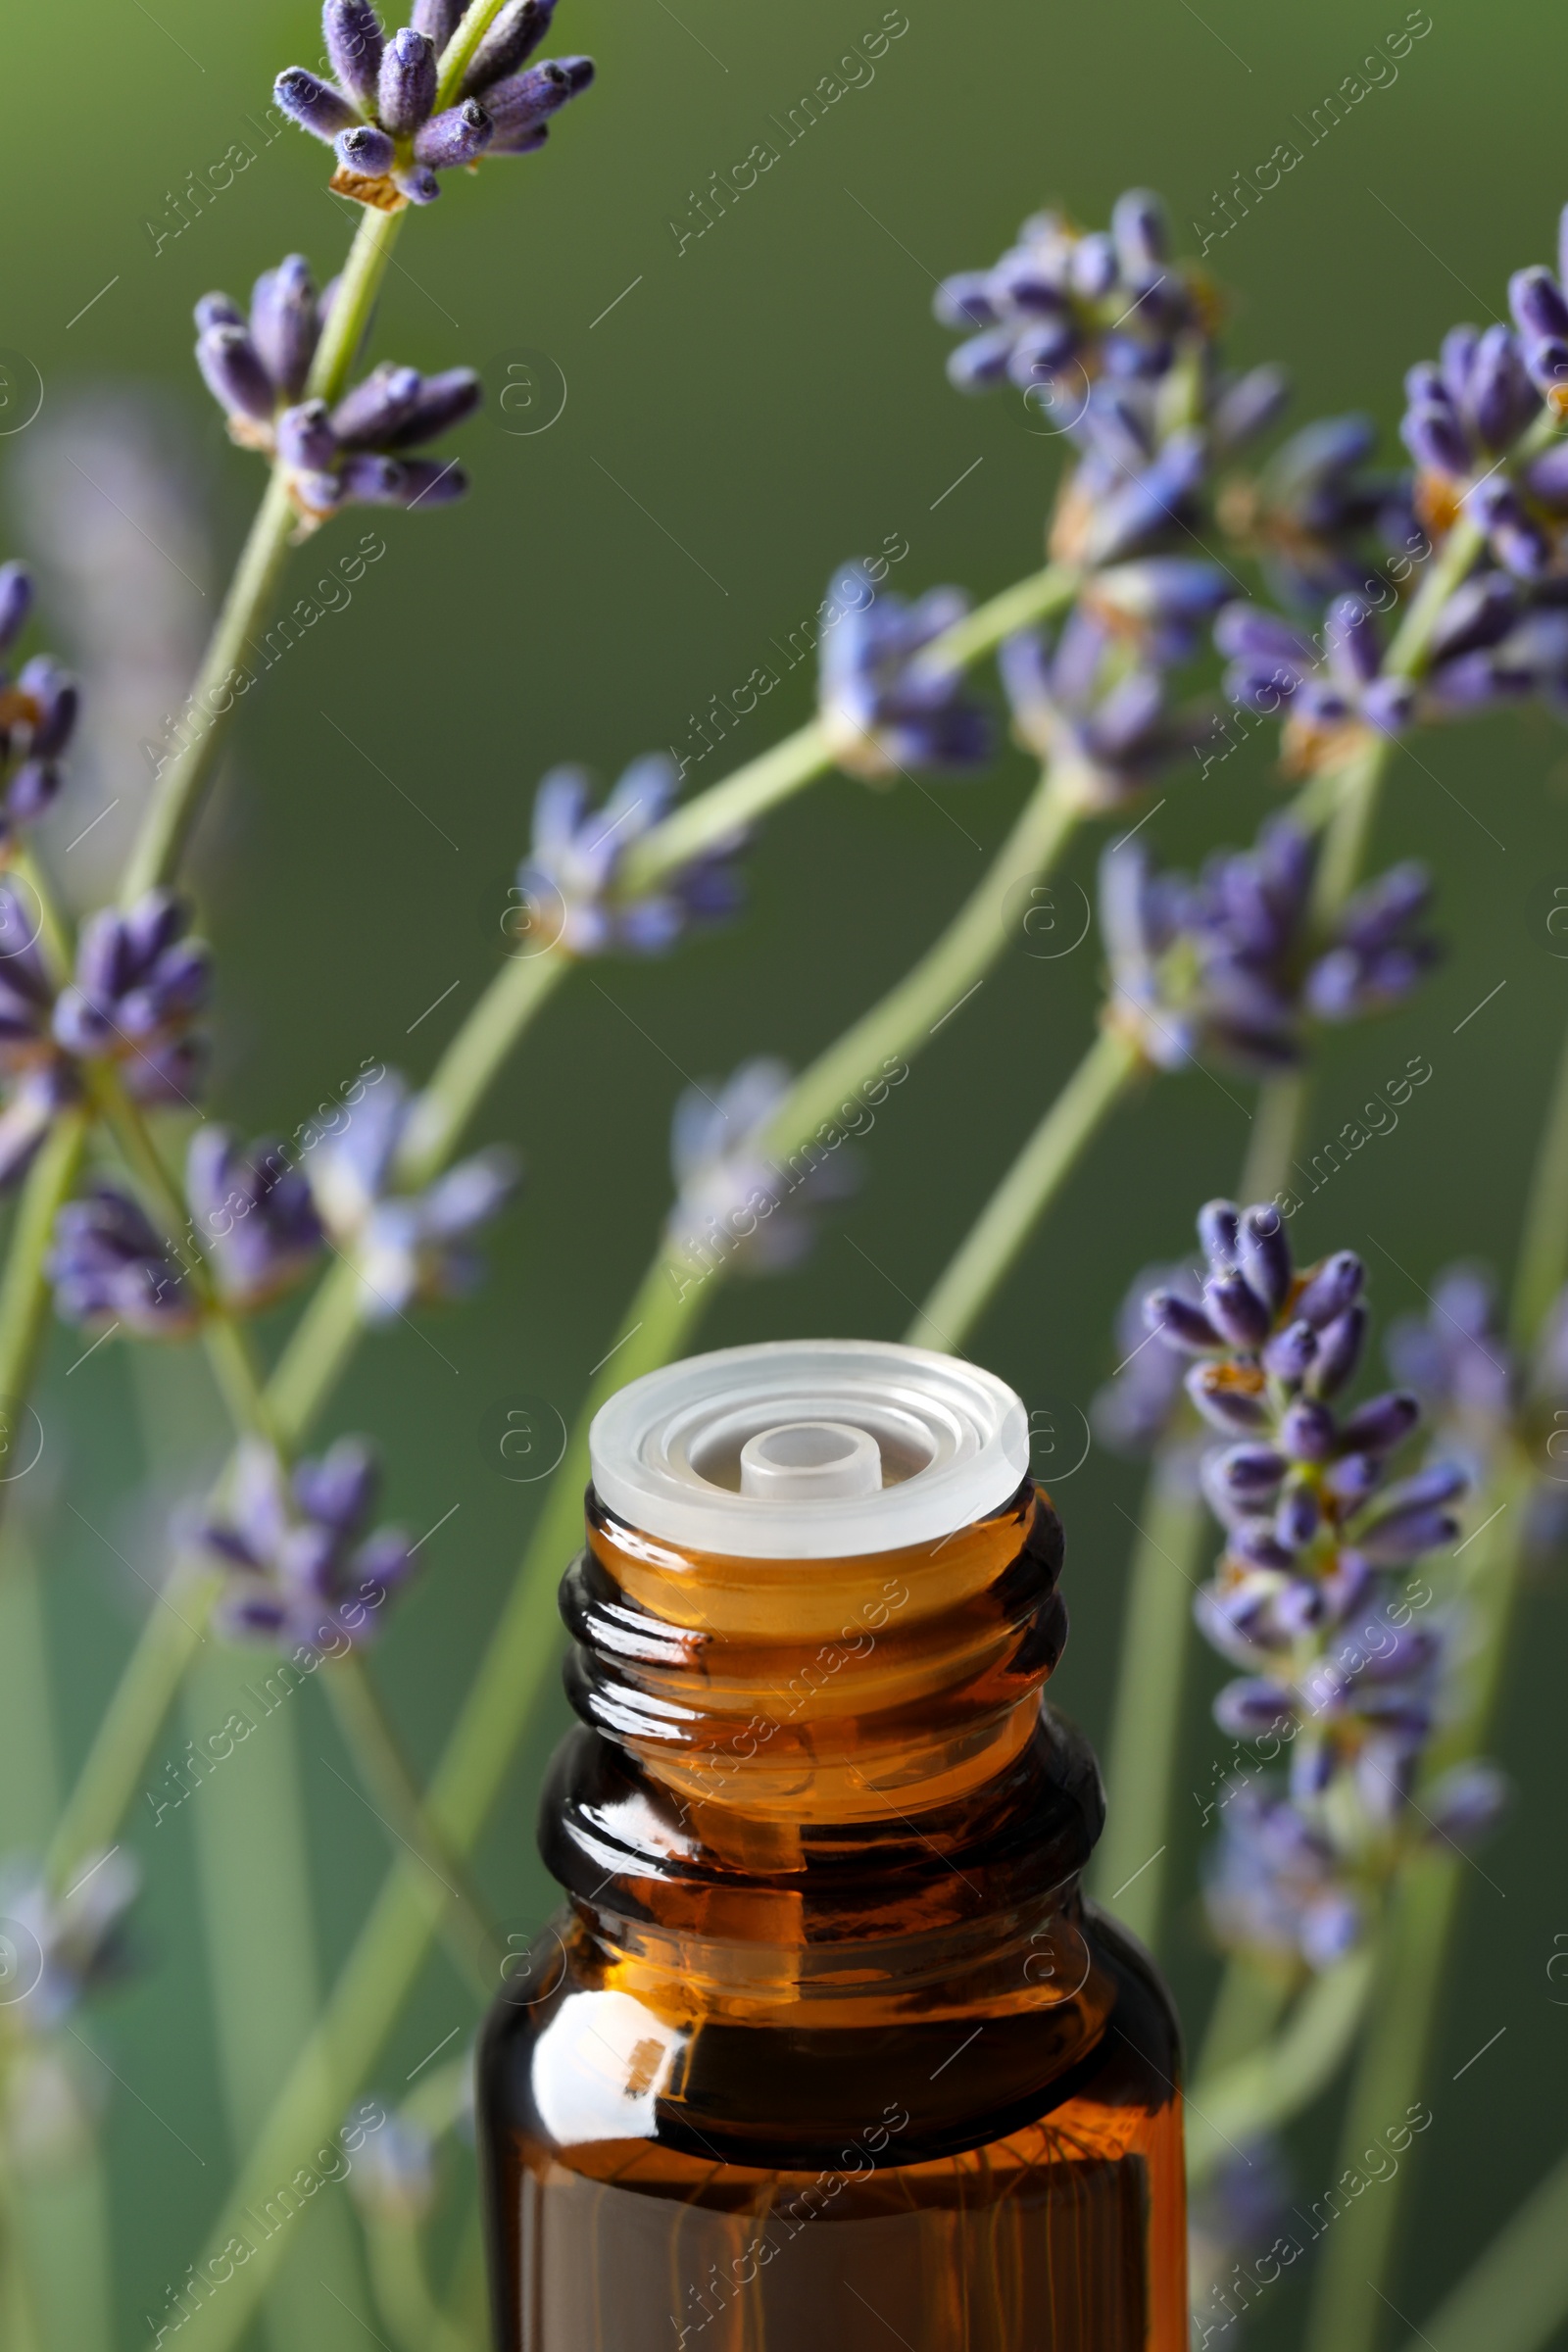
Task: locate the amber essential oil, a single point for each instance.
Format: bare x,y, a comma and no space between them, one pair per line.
827,2051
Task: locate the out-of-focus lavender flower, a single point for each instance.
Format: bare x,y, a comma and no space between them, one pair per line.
380,111
1458,1359
39,1080
140,984
1317,518
38,714
109,1266
1136,1407
302,1569
1238,2211
570,887
734,1205
888,704
64,1947
408,1248
1063,304
1334,687
1139,480
253,1213
357,453
1221,967
1274,1885
1466,411
1096,707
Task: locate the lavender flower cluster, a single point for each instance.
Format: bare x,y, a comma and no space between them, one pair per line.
381,111
1311,1593
1227,968
38,714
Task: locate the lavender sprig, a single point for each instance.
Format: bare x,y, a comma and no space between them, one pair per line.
381,110
889,702
358,449
1310,1593
571,891
302,1567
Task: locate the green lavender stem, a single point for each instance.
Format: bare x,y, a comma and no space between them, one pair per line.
1543,1247
1104,1078
1132,1861
1264,2090
467,1069
395,1939
393,1792
25,1292
1515,2298
1412,1962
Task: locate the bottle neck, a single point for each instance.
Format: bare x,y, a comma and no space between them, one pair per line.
819,1771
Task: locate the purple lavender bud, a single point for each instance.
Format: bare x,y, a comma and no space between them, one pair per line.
1266,1254
1353,1478
963,301
218,310
408,83
1042,352
1248,1473
368,150
1485,608
1436,439
367,416
1140,234
1377,913
1388,705
1440,1482
442,400
1340,1345
1535,301
522,101
1331,1289
1236,1309
1546,478
16,603
355,41
32,791
57,695
283,322
381,481
1501,398
235,376
981,362
253,1213
1252,1708
1226,1401
1403,1536
454,137
1448,382
1297,1516
317,106
1181,1323
305,438
109,1265
417,181
1547,366
1466,1802
1289,1355
1219,1227
437,20
341,1488
1381,1423
1249,406
1308,1432
510,43
1022,281
1093,266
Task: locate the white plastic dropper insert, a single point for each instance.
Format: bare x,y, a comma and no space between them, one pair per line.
809,1450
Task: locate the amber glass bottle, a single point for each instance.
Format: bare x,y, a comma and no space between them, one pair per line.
827,2051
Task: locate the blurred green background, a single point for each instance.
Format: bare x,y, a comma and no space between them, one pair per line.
759,406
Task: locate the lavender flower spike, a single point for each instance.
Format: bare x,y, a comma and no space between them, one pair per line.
109,1267
889,708
380,114
733,1205
568,888
141,983
408,1248
253,1213
37,1079
302,1571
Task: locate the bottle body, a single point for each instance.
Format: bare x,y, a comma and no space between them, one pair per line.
1059,2231
827,2047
